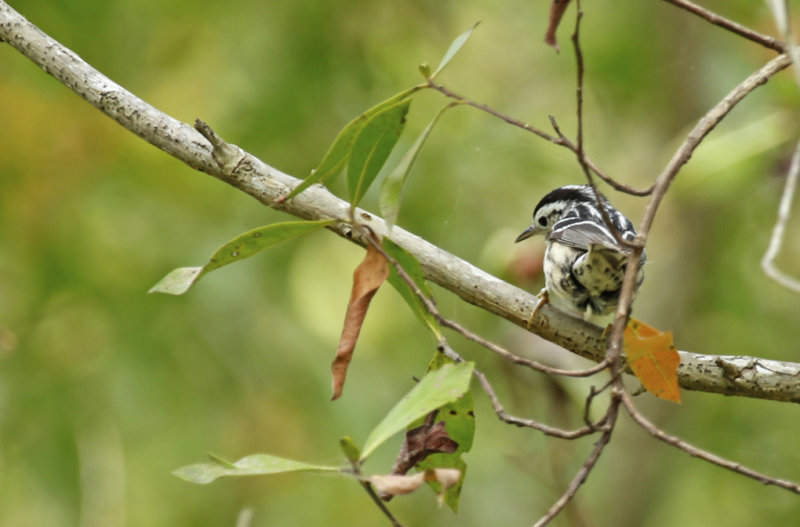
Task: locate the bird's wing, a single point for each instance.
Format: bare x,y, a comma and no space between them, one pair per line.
582,233
612,256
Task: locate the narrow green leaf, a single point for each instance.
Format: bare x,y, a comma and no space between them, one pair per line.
179,280
221,461
255,465
425,70
413,269
350,449
339,152
436,388
392,187
459,419
454,48
371,148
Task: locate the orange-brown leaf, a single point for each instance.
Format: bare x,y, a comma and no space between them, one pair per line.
653,359
557,8
367,278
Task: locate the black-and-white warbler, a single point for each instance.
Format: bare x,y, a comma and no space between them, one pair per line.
583,263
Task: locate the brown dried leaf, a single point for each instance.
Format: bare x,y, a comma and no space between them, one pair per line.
421,442
367,278
557,8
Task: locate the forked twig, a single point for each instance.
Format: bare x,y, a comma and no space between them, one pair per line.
605,177
499,410
586,468
559,139
581,152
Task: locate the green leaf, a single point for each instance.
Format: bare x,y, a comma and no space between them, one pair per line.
459,419
392,187
255,465
339,152
372,146
425,70
436,389
350,449
413,269
179,280
454,48
221,461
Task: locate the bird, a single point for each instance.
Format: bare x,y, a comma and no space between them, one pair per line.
584,263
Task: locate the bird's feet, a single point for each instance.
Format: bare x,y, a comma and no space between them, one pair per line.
544,298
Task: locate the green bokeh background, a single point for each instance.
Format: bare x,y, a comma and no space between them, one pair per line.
105,389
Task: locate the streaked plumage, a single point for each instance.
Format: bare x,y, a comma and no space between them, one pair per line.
583,263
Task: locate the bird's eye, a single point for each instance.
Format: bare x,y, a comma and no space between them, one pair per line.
543,221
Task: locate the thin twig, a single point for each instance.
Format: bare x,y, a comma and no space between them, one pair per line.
784,211
514,358
693,451
367,486
560,139
576,45
581,152
504,117
586,468
551,431
608,179
701,129
498,408
587,406
730,25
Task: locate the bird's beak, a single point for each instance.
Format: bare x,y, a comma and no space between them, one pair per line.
524,235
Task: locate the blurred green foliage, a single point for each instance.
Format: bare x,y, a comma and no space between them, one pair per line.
104,390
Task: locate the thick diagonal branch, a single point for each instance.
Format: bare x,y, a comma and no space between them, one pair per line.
744,376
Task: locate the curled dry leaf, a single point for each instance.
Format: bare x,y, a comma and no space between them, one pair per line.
367,278
557,8
421,442
395,484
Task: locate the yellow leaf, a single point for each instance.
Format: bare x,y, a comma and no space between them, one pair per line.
653,359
